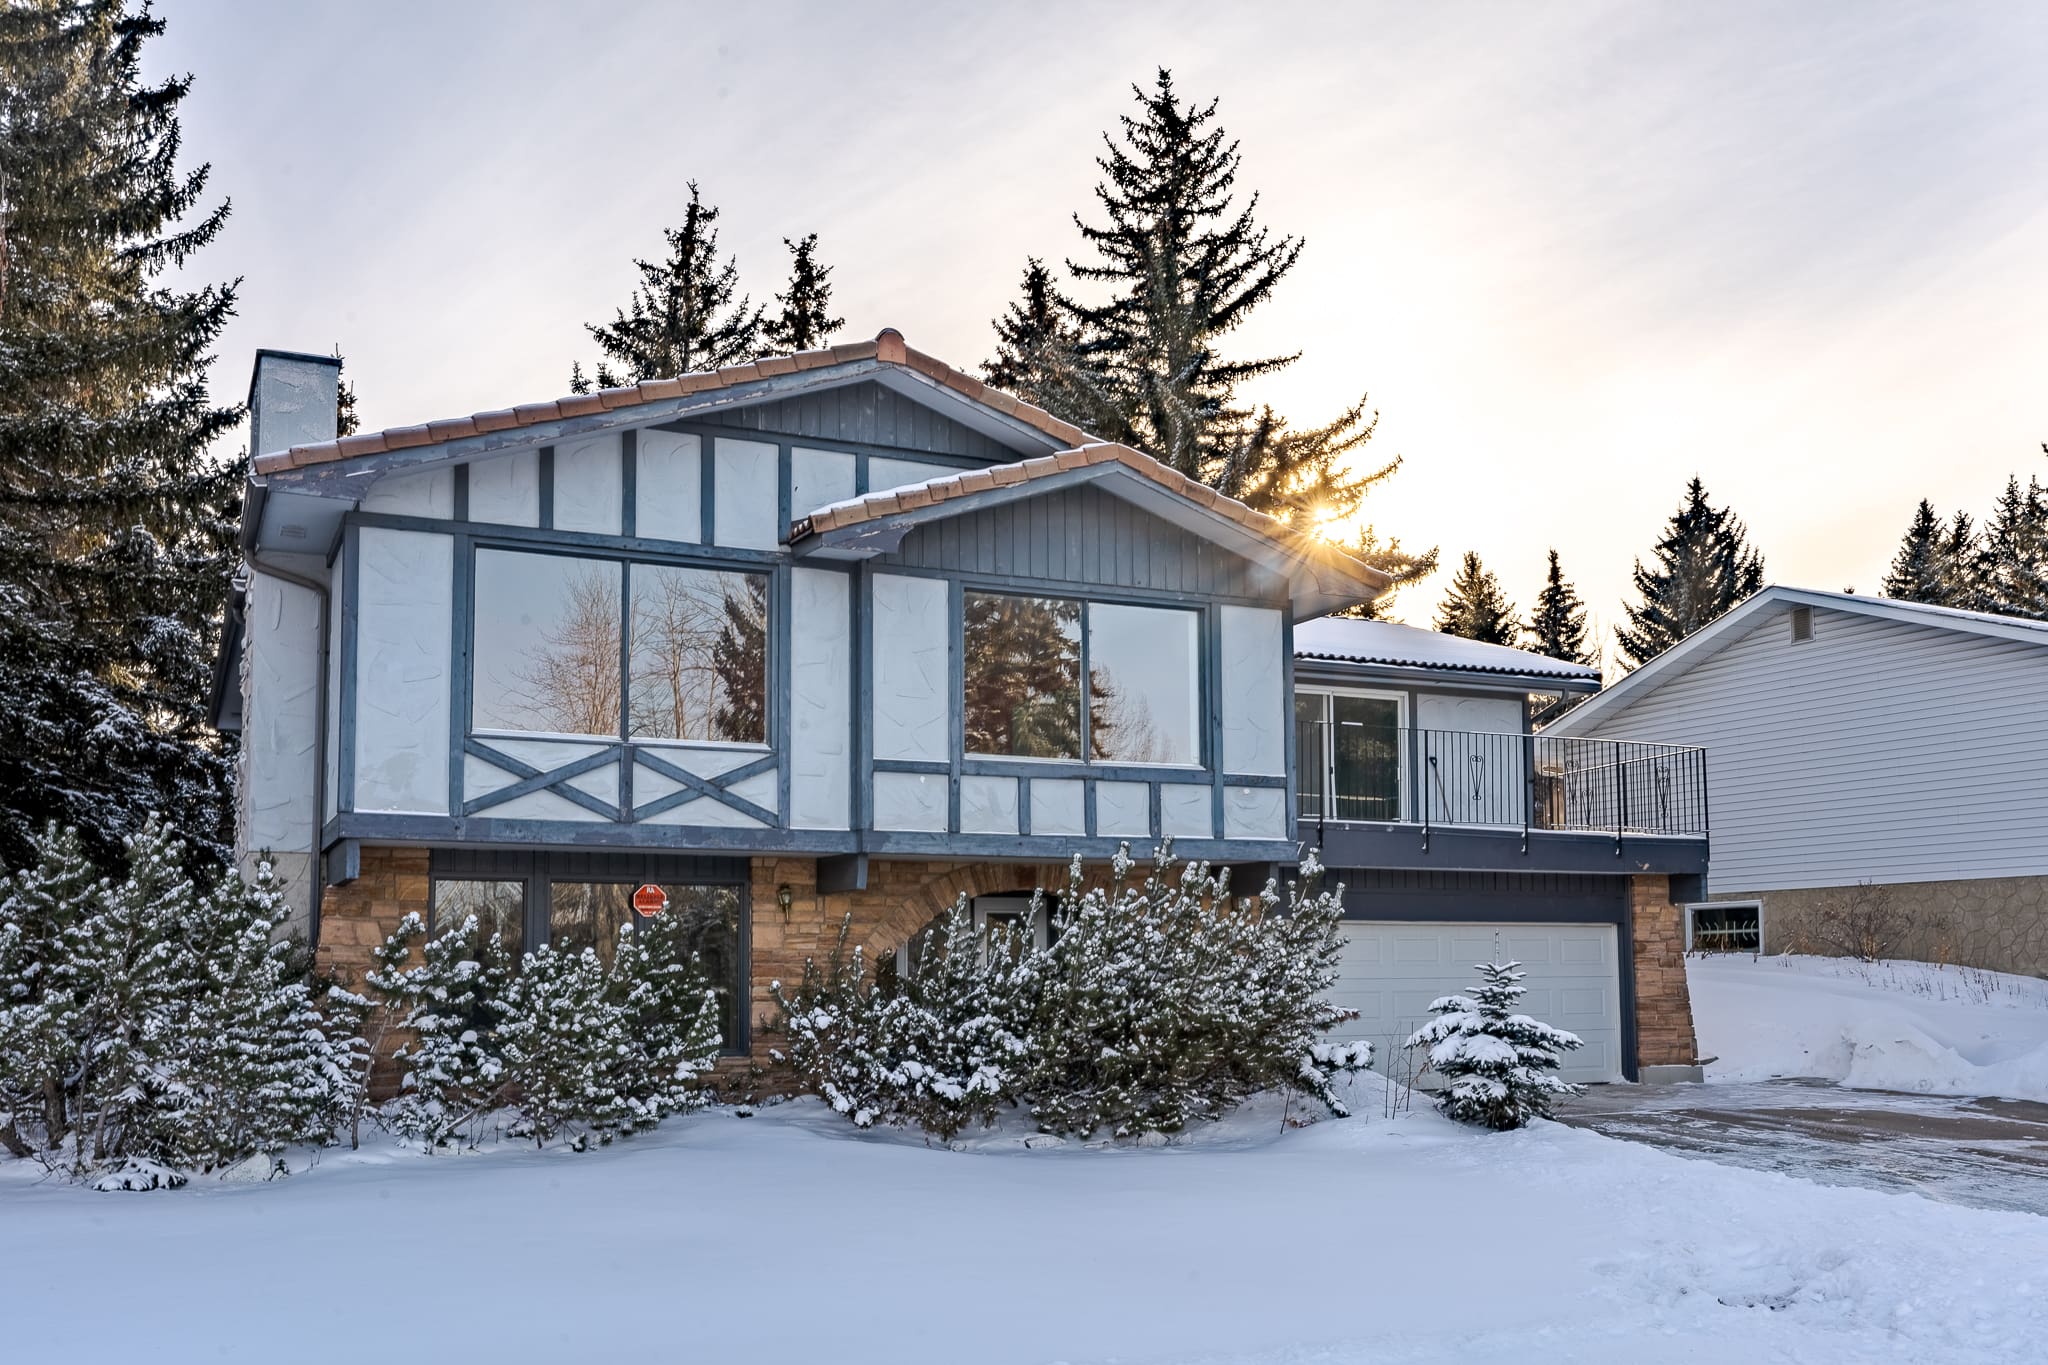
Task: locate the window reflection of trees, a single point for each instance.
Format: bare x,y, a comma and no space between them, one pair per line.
700,655
569,681
1021,669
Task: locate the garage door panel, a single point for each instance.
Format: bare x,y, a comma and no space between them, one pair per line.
1392,973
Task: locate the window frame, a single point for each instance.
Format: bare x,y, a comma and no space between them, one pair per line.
1324,693
1204,629
626,560
537,871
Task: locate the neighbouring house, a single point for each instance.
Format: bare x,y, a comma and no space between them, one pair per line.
838,634
1860,741
1461,835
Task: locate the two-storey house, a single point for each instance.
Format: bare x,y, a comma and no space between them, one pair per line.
848,633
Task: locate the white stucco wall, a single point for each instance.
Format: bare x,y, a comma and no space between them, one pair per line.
422,493
912,669
404,628
1059,806
817,477
588,492
668,487
504,490
277,810
1123,810
1254,813
1253,687
988,805
910,801
821,699
746,484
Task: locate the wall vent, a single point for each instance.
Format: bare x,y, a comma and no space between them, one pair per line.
1802,624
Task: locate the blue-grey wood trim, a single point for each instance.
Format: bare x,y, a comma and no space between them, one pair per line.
1088,808
546,463
780,681
1009,848
625,730
860,473
1079,590
532,779
843,445
707,487
345,741
1024,807
1454,848
1086,690
1212,713
344,862
956,706
629,483
461,498
843,872
862,808
707,787
549,541
572,834
783,476
929,766
1153,816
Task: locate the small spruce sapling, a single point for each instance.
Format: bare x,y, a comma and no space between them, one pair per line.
1501,1067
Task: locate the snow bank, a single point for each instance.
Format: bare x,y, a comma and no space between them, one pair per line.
787,1237
1905,1026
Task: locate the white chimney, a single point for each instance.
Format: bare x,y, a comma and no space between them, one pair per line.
292,397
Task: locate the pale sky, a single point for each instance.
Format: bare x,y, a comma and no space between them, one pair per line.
1574,253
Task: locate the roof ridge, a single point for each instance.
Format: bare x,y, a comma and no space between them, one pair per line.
888,347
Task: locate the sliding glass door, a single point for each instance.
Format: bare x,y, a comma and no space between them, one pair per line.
1348,755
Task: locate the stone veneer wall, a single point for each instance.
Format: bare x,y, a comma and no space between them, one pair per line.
1998,923
1664,1034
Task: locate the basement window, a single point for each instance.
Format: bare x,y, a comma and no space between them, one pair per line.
1802,625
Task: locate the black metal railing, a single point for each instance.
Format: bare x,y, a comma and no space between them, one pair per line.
1361,772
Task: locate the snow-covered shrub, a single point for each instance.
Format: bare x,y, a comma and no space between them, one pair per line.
1172,1001
571,1046
150,1027
1155,1005
938,1048
1501,1067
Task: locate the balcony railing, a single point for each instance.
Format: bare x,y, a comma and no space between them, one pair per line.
1366,773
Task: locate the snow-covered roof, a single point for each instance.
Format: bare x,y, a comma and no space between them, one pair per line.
1709,640
1389,644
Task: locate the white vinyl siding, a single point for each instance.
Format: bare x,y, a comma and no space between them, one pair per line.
1876,751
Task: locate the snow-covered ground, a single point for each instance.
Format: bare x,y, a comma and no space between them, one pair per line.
1881,1026
785,1237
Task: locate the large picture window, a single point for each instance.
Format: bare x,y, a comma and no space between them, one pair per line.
547,659
1024,692
1144,686
1021,671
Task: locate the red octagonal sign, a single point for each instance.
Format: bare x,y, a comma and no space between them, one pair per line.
650,900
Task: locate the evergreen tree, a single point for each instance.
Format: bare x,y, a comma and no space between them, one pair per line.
2015,554
1557,627
1501,1066
1179,263
116,525
804,321
683,317
1936,561
346,422
1475,607
1704,566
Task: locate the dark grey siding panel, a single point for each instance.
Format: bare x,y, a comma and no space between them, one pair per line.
866,414
1084,535
1454,897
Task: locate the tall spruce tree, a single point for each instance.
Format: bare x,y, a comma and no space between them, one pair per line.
686,315
1177,264
1704,565
2014,563
1475,608
116,535
1936,561
804,321
346,420
1557,626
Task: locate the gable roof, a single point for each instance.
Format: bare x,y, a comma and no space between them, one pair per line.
888,348
1710,639
1392,645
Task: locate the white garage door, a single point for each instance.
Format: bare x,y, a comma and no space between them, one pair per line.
1392,971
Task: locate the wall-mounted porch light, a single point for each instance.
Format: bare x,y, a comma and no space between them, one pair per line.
785,898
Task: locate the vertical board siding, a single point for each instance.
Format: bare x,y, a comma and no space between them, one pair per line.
868,414
1088,537
1876,751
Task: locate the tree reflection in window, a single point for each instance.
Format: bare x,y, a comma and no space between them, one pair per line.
1144,686
547,644
1021,673
547,659
700,655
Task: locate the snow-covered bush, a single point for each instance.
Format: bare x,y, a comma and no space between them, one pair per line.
150,1027
939,1048
1170,1001
1155,1005
1501,1067
572,1047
